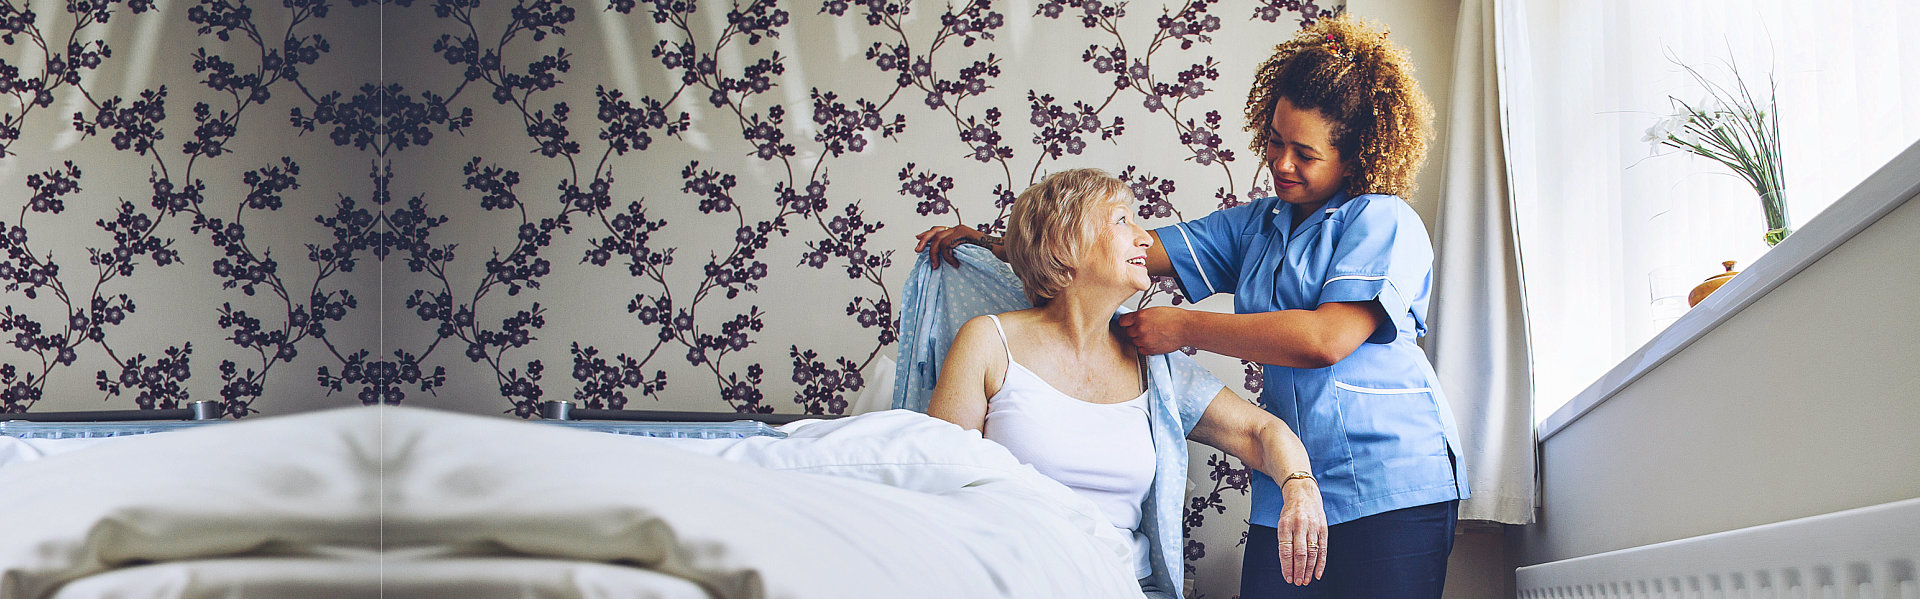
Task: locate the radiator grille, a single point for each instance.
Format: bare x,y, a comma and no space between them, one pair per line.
1866,553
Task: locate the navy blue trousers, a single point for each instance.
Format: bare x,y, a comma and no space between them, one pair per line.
1400,554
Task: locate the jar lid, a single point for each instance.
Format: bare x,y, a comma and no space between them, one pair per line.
1730,271
1712,283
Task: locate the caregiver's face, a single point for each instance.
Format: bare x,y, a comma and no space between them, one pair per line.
1307,169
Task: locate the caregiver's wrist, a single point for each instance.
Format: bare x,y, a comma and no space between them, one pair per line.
993,243
1186,323
1218,332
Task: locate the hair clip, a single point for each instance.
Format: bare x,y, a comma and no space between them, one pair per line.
1334,46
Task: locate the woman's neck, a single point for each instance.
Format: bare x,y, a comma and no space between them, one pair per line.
1083,316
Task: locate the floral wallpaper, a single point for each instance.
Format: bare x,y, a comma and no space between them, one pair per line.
645,204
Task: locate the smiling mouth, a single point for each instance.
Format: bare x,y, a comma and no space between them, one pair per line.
1140,261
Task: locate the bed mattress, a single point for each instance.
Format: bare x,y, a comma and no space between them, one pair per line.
418,503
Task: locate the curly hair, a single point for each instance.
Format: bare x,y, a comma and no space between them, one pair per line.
1349,72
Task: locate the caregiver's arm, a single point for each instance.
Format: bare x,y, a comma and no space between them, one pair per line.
942,240
1314,338
1157,262
1263,442
972,373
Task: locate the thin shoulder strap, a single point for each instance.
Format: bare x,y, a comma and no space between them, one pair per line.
1003,337
1141,359
1004,345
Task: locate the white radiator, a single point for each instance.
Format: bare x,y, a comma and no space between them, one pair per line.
1866,553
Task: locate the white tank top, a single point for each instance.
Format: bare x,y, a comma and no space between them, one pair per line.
1104,452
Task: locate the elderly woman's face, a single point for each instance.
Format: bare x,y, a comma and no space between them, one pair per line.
1307,169
1119,255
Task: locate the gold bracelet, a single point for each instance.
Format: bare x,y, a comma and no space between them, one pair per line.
1296,476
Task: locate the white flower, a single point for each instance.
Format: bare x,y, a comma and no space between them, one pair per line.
1690,131
1664,129
1656,134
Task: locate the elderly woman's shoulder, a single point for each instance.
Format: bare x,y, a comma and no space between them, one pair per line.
992,326
977,325
977,337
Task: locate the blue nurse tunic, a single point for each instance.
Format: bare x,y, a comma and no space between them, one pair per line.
1376,425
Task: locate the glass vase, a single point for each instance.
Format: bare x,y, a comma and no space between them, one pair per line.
1774,202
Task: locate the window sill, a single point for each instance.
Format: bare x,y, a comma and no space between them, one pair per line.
1879,194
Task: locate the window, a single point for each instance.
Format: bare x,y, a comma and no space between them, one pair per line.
1606,228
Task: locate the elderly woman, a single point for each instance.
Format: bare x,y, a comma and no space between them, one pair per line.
1064,390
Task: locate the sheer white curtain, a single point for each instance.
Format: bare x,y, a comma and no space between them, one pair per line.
1606,230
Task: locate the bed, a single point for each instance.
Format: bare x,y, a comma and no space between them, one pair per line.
407,502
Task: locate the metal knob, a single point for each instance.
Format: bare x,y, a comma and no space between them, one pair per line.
556,409
204,410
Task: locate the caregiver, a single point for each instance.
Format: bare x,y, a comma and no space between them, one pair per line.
1330,280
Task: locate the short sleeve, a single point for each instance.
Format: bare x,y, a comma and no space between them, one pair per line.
1206,252
1194,388
1382,253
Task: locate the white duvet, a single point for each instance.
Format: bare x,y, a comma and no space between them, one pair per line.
419,504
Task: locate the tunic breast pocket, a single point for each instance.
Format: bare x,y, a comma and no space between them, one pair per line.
1395,435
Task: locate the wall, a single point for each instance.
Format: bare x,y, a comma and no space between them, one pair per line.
580,164
1801,404
1427,29
160,204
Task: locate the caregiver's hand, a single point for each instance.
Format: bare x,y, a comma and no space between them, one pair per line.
943,239
1302,532
1156,330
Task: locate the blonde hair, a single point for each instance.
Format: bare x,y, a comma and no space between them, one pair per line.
1348,71
1054,223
